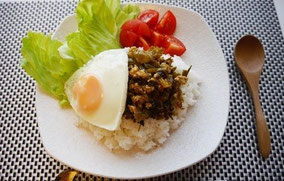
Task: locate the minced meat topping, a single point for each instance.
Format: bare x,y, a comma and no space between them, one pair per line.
153,86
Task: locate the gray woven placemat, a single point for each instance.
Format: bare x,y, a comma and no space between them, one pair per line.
22,156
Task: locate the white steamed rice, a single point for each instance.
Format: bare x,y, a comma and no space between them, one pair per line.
154,133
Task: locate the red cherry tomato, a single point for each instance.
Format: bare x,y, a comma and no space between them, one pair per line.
173,46
150,17
157,39
127,38
131,25
138,27
167,24
141,42
144,30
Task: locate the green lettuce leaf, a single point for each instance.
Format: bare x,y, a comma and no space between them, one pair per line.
98,12
42,61
122,14
114,6
51,62
99,23
128,12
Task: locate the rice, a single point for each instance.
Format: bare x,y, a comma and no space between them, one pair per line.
131,135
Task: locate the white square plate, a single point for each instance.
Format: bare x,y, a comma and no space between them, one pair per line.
197,138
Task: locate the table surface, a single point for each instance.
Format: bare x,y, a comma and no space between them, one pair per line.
23,157
279,4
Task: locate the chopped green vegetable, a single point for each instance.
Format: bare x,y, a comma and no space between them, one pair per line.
42,61
152,92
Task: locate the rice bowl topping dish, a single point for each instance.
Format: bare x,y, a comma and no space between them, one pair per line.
135,135
121,72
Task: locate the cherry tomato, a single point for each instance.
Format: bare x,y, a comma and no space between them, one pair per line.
131,25
128,38
138,27
141,42
157,39
150,17
173,46
167,24
144,30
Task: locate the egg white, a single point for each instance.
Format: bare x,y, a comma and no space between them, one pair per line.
111,69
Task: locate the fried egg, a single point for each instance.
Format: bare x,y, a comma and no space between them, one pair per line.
97,92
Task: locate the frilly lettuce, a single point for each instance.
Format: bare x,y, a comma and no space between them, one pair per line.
127,12
99,24
51,62
42,61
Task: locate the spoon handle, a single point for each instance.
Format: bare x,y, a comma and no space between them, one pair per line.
263,136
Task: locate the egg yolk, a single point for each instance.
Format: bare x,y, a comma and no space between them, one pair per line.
88,93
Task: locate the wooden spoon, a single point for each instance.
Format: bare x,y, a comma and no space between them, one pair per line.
249,57
67,175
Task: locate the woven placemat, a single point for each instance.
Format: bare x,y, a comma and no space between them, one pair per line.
22,156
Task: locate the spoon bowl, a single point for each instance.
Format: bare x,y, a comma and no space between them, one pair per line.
249,54
249,57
